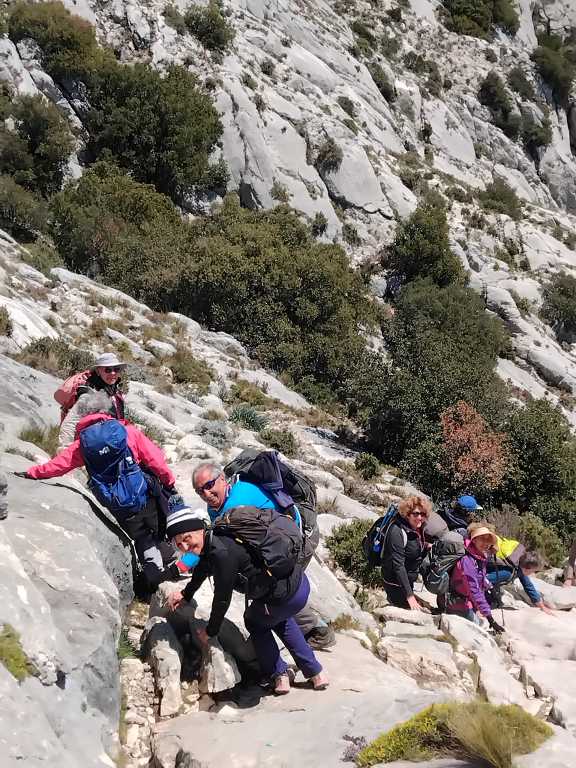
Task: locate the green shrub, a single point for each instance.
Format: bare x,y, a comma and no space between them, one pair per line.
267,67
46,142
539,537
218,434
347,105
367,466
161,128
45,438
559,514
55,356
125,649
498,197
68,43
42,256
556,69
382,82
12,655
186,369
247,416
174,19
6,326
421,248
281,440
245,392
350,234
478,17
209,26
345,547
279,192
519,83
475,730
559,303
249,81
492,94
329,157
319,224
535,135
21,213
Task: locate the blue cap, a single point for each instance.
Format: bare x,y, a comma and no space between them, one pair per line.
468,503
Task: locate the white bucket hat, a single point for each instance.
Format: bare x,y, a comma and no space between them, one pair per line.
108,360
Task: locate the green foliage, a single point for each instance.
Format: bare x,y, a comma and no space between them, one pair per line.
281,440
493,95
556,68
12,655
45,438
350,234
382,82
161,128
539,537
55,356
42,256
519,83
209,26
68,43
249,81
186,369
125,648
559,514
6,326
267,67
535,135
279,192
329,157
473,730
498,197
247,393
218,434
319,224
248,417
37,153
347,105
367,466
421,248
345,547
174,19
559,304
478,17
21,213
443,348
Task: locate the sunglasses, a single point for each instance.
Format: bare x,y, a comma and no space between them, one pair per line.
417,514
207,486
112,369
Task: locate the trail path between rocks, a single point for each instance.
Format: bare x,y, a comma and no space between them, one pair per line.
306,728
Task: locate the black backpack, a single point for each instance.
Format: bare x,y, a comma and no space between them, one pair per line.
272,539
284,483
438,563
374,542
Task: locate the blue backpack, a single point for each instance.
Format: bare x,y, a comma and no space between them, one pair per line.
116,479
374,542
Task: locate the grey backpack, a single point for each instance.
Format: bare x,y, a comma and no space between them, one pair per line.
439,561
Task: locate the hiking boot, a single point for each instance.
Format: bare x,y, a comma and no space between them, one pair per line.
3,514
282,685
321,638
319,682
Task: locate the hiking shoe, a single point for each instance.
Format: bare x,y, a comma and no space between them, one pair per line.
319,682
321,638
282,685
3,514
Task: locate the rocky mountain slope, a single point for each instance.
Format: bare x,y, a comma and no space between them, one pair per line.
65,579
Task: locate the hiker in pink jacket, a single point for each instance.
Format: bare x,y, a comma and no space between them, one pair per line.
468,582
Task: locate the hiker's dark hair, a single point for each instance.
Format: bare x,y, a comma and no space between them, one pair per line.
530,560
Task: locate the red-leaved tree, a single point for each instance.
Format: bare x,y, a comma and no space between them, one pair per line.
474,456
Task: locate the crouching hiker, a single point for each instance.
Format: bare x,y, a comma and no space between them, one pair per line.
260,479
128,475
259,553
512,561
468,583
570,570
403,551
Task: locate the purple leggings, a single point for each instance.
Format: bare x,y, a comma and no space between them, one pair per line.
262,619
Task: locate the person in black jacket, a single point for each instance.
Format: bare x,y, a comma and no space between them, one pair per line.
272,608
404,550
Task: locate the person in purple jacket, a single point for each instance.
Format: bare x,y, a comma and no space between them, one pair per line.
468,582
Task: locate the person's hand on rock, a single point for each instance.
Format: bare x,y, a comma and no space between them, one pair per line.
175,600
413,603
24,474
545,607
568,583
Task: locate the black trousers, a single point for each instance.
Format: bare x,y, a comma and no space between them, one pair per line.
145,530
396,596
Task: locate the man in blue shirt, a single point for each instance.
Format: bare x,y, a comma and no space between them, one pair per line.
220,495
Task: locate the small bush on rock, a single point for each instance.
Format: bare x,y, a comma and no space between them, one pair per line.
6,326
345,546
519,83
367,466
478,17
186,369
12,655
174,19
246,392
555,67
45,438
55,356
476,730
492,94
329,157
559,305
281,440
498,197
382,82
209,26
247,416
218,434
319,224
